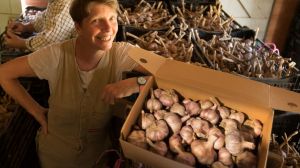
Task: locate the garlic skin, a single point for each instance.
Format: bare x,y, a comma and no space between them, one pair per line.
256,125
229,125
178,109
204,151
218,164
210,115
186,158
238,116
200,127
235,144
168,97
175,143
153,104
192,108
246,160
187,134
174,122
159,114
146,120
159,147
138,138
224,112
157,131
206,104
225,157
219,143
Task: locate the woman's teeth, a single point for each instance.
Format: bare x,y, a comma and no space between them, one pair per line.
106,38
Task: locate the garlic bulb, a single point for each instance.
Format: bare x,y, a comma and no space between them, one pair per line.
246,160
157,92
146,119
177,147
224,112
235,144
238,116
210,115
219,143
186,158
174,122
204,151
256,125
168,97
200,127
192,108
187,134
159,114
229,125
178,109
138,138
153,104
225,157
218,164
206,104
157,131
159,147
175,143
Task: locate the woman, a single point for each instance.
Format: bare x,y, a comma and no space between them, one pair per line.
53,25
84,78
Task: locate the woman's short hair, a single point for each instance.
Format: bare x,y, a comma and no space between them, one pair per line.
79,8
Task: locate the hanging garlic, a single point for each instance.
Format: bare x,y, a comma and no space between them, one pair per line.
192,108
238,116
225,157
235,144
210,115
159,147
146,119
246,160
178,108
138,138
256,125
200,127
174,122
157,131
187,134
204,151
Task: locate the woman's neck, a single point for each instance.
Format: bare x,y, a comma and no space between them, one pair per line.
87,58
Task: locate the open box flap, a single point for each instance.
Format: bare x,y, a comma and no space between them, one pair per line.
202,78
147,59
282,99
213,81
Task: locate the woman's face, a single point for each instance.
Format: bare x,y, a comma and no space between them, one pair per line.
100,27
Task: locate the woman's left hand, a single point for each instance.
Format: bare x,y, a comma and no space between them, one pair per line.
120,89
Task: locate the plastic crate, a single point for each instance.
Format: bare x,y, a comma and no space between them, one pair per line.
287,122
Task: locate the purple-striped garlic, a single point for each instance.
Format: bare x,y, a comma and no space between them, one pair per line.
192,108
210,115
157,131
200,126
159,147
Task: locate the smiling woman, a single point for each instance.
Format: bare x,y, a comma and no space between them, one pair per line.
84,76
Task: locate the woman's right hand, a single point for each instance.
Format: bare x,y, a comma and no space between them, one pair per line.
40,116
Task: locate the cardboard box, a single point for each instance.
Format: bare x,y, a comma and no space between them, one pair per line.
256,99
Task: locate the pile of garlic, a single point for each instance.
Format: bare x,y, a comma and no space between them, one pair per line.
202,132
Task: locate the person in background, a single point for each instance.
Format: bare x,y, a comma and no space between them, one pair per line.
84,76
53,25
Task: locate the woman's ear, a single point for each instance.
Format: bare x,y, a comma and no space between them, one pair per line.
77,27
